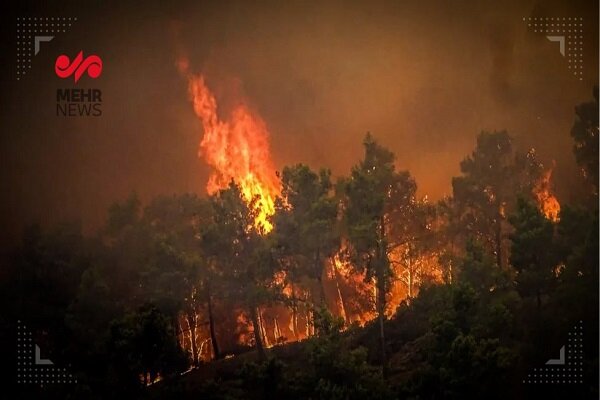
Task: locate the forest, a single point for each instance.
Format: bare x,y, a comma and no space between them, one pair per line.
341,287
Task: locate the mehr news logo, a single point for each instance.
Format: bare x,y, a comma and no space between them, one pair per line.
32,32
74,102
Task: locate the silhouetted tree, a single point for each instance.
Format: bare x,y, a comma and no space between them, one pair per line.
585,134
143,346
492,178
532,252
241,253
305,228
375,193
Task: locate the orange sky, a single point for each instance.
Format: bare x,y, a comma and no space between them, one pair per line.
424,77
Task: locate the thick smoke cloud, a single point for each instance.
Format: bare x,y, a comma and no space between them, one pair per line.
424,77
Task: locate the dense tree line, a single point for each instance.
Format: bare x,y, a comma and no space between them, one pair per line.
122,309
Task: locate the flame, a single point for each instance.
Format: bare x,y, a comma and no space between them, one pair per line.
360,309
547,202
409,272
237,149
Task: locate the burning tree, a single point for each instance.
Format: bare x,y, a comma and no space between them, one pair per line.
493,176
181,272
375,193
241,253
305,227
237,148
413,248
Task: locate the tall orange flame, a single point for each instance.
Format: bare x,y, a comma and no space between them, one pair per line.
237,149
547,202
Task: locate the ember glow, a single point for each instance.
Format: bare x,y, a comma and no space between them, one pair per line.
237,148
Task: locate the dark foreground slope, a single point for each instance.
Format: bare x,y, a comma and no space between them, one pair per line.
478,339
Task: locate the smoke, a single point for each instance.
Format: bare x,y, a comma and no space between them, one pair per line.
501,42
424,77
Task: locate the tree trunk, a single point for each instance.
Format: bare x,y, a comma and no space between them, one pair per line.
181,335
342,301
263,329
211,324
277,331
499,240
191,320
257,335
410,277
381,291
452,252
322,300
381,315
410,283
294,314
308,318
319,275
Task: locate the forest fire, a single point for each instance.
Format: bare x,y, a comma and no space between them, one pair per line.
547,202
237,149
356,306
334,263
326,200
